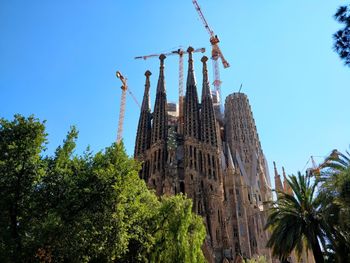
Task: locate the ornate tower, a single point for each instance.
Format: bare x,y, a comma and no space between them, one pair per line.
243,141
143,136
158,149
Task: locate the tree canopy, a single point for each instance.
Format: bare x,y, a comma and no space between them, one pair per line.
317,211
88,208
342,36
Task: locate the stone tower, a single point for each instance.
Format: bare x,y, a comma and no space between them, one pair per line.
201,157
253,188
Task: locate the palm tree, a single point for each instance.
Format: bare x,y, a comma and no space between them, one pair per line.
296,221
337,162
335,193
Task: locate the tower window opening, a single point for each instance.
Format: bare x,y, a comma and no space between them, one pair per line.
182,187
235,232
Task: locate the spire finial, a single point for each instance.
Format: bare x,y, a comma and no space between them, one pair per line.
275,169
148,73
190,60
204,59
161,84
284,172
147,84
206,89
162,57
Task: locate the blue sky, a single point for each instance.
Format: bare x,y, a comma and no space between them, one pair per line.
58,61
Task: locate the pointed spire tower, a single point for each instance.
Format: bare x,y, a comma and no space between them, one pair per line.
286,186
191,107
159,128
278,182
143,135
208,126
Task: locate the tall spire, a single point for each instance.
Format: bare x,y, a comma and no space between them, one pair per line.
144,127
278,182
191,107
286,186
208,126
159,128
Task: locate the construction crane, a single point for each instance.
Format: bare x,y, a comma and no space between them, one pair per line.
215,55
180,53
124,88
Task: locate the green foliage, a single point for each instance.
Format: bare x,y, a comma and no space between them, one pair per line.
260,259
89,208
335,193
342,36
21,142
308,217
185,232
296,221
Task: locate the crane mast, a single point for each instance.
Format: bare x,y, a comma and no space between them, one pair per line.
124,88
215,55
180,53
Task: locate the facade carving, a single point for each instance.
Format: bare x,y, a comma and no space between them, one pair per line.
217,161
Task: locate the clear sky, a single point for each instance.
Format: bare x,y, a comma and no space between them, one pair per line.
58,61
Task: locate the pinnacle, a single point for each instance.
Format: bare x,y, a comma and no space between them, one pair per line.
148,73
190,49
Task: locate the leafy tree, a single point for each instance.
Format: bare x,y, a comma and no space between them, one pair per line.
342,36
335,193
21,143
296,220
89,208
180,233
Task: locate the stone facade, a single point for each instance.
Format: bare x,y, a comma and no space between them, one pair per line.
217,161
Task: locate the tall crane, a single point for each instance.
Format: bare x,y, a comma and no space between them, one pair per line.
215,55
124,88
180,53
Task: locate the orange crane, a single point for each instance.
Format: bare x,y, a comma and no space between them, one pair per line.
180,53
215,55
124,88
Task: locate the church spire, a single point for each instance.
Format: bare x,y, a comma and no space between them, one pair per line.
191,107
286,186
144,127
159,128
278,182
208,127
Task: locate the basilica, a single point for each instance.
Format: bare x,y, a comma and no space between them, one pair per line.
213,156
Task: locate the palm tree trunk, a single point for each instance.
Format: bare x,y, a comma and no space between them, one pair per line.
316,249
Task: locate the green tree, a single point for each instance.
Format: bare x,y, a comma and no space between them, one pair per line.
342,36
296,221
89,208
179,232
335,193
21,143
